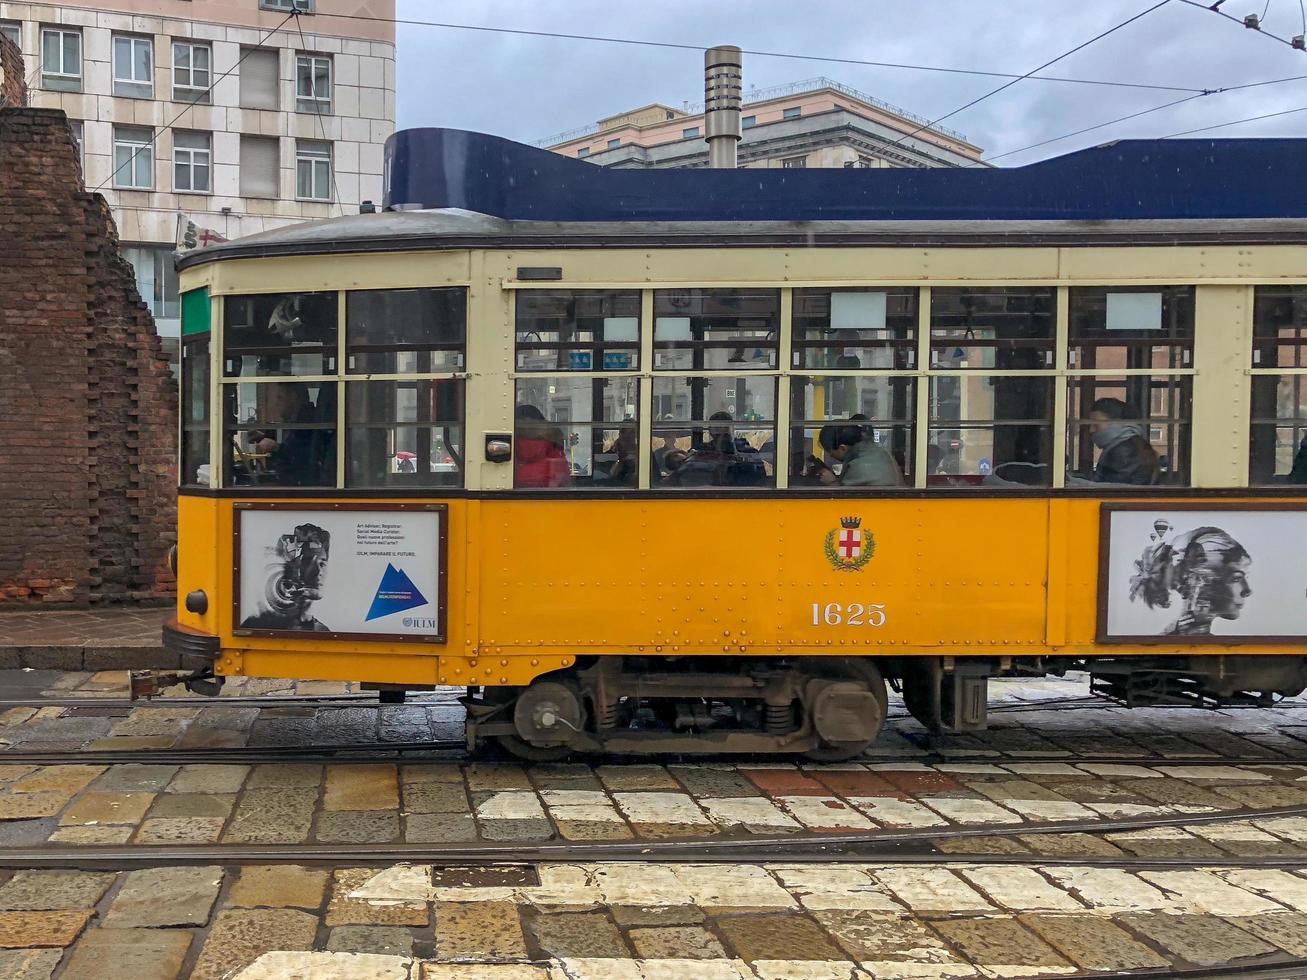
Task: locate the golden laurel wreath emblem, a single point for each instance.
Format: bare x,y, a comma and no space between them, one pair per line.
853,564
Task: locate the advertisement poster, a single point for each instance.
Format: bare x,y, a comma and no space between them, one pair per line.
361,572
1203,575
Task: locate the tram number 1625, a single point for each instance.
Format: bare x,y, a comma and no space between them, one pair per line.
854,614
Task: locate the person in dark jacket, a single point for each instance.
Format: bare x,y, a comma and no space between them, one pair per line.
1125,455
538,457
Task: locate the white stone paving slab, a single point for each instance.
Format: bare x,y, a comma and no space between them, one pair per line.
971,811
826,888
511,804
825,813
1110,890
1281,886
732,886
898,814
748,810
1206,892
327,966
931,889
1214,774
1020,889
1049,810
1113,769
661,807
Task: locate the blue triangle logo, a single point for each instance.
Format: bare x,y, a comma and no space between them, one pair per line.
395,594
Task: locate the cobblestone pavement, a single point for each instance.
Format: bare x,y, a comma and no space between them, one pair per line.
1049,759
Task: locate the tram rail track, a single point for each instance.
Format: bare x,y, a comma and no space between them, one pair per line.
884,846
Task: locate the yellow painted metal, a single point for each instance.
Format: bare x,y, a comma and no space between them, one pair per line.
535,584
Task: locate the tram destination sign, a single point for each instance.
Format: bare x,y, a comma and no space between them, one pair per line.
341,571
1202,573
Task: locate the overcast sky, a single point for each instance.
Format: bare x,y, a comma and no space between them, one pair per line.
527,88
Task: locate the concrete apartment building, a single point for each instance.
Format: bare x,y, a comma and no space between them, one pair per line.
817,122
292,129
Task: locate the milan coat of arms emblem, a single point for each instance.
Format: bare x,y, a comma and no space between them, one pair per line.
847,549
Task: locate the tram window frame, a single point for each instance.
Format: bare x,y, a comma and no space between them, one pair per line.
819,328
195,393
1152,373
709,441
418,467
258,455
681,327
425,314
1017,367
532,311
546,445
819,426
336,348
1278,359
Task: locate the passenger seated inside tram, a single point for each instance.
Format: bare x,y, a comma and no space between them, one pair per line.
538,458
1125,455
719,460
864,462
625,468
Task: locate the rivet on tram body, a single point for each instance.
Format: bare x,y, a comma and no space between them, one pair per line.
472,662
503,680
535,662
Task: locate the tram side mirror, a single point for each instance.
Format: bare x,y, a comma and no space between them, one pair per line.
499,447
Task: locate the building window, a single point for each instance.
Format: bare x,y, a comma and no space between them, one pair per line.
748,121
156,279
614,144
13,31
690,133
1277,451
133,66
61,60
259,74
259,166
312,83
192,71
794,163
192,155
793,112
313,170
583,152
133,157
287,6
405,432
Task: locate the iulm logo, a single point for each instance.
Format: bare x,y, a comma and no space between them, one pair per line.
395,594
850,551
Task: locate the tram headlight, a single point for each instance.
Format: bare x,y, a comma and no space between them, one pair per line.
499,447
197,602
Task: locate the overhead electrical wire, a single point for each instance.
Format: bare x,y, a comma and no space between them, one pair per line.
322,129
1007,85
679,46
1215,9
1234,122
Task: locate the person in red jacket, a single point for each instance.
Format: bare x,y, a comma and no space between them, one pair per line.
538,458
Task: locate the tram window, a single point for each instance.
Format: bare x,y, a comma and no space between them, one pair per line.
1128,327
274,334
714,432
855,328
405,331
716,329
404,433
874,412
195,410
280,433
1006,328
991,430
1130,429
579,433
578,330
1277,449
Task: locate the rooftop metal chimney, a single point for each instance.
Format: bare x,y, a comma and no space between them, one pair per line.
722,86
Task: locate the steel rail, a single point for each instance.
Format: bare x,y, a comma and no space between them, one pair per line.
236,700
811,847
374,752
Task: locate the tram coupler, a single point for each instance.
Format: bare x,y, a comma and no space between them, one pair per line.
146,684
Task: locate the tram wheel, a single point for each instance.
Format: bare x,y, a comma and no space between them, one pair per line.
862,672
520,748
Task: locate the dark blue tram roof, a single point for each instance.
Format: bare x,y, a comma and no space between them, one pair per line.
1129,179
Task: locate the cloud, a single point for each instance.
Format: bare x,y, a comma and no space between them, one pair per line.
526,88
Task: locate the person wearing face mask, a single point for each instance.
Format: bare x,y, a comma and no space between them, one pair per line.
1125,455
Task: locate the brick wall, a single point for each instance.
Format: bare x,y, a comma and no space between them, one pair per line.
87,404
13,83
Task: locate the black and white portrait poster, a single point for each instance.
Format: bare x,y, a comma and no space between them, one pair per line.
1203,575
368,572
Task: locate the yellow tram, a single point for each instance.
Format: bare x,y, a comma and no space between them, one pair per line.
709,484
